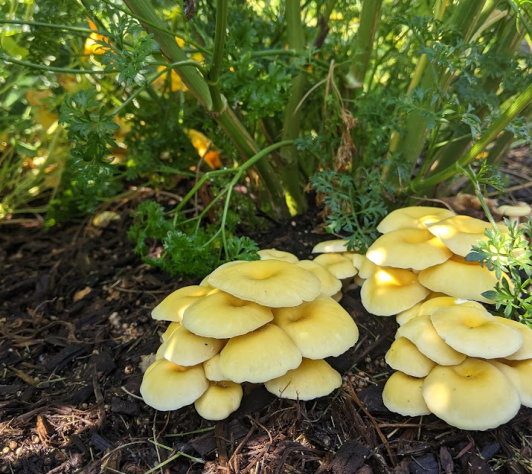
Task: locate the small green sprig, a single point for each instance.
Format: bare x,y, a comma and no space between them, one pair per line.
509,256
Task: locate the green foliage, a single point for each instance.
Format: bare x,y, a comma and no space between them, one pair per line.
354,206
182,247
510,257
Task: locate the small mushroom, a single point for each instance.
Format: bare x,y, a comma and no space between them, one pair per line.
219,400
259,356
319,328
329,246
339,265
403,394
168,386
271,283
515,212
273,254
173,306
404,356
312,379
473,395
475,332
519,373
413,217
330,285
408,248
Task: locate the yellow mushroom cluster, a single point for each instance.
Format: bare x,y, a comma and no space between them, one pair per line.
269,321
453,358
456,360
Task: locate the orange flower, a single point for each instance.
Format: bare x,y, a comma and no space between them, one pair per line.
91,45
205,149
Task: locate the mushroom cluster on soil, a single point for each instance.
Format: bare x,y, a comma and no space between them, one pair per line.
453,358
270,321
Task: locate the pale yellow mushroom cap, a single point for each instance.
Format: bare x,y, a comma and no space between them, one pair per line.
330,285
186,348
422,333
312,379
212,369
460,233
520,209
402,394
525,351
223,316
270,283
403,355
458,278
173,306
167,386
328,246
475,332
519,373
408,248
365,267
339,265
338,296
219,401
272,254
319,328
259,356
169,330
473,395
408,314
391,290
414,217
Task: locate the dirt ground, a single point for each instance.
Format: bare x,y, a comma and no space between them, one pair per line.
75,323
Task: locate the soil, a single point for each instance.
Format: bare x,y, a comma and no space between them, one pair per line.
75,326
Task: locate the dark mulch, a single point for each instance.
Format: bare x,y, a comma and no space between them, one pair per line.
75,324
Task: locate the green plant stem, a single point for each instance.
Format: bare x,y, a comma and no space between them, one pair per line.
79,29
363,43
217,56
478,192
519,13
243,167
226,118
292,114
42,67
525,98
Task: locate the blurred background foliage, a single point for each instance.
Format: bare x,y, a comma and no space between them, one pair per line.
366,103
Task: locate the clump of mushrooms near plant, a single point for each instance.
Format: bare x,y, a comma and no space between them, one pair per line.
270,321
452,357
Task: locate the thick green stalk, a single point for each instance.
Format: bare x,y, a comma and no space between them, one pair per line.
506,45
226,118
522,101
189,75
217,57
363,43
295,198
463,21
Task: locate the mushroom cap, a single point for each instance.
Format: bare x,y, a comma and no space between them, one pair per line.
272,283
219,401
408,248
259,356
339,265
312,379
402,394
413,217
186,348
173,306
338,296
458,278
519,373
365,266
330,285
460,233
328,246
319,328
430,304
391,290
167,386
525,352
273,254
422,333
212,369
222,316
169,330
403,355
473,395
520,209
408,314
475,332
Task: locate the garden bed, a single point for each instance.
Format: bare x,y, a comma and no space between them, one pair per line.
75,324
